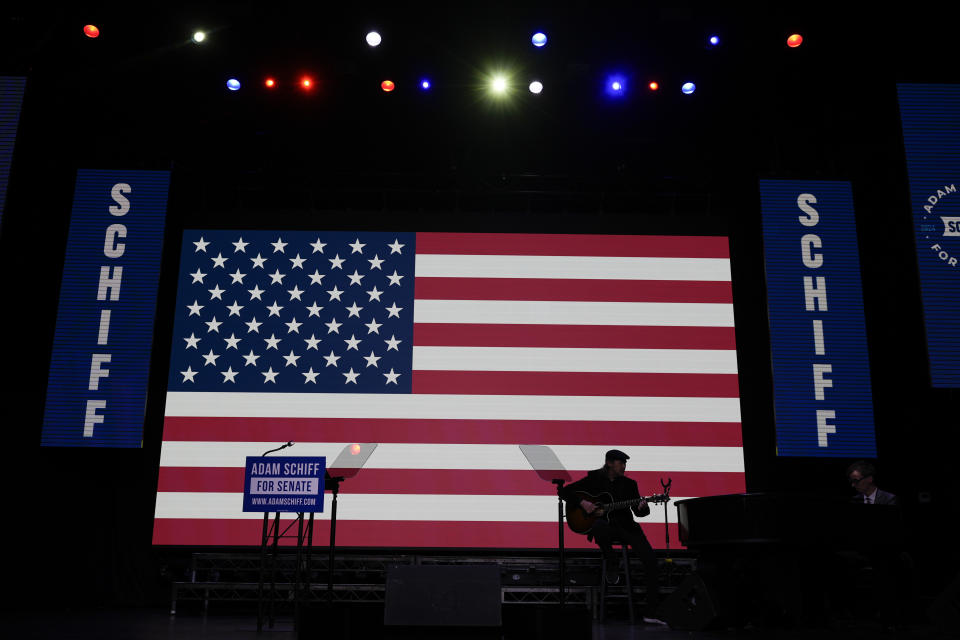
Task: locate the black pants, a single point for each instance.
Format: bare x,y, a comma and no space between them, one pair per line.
604,533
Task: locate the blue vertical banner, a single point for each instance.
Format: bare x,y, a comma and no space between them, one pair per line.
97,388
11,97
821,371
931,139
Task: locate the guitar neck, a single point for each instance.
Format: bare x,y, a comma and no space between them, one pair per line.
625,503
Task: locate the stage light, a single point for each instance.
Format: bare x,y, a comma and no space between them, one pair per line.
306,83
688,88
654,86
91,31
795,41
270,83
425,84
387,85
374,39
714,40
616,85
355,449
536,86
539,39
233,84
199,36
498,84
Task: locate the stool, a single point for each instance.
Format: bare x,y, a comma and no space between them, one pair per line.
603,581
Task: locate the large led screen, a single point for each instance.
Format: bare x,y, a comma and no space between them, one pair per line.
449,351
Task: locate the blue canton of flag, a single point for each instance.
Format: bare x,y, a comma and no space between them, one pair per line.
327,312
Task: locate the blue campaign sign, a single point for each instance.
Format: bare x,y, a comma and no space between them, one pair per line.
821,372
931,138
284,483
11,96
97,387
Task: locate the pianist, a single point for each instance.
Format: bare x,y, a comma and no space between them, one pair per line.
860,476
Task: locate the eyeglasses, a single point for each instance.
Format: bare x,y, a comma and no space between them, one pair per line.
854,481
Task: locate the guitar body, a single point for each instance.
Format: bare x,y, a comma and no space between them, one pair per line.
579,520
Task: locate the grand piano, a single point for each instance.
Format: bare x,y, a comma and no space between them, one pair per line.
790,520
779,559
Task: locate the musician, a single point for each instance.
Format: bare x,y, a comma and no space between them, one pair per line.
860,476
621,526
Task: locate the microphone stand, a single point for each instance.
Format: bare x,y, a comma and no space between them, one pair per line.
559,482
666,527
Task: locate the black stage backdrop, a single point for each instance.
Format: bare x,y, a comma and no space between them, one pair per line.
350,156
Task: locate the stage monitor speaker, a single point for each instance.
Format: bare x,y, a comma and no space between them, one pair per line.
443,595
690,607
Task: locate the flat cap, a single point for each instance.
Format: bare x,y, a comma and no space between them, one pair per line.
616,454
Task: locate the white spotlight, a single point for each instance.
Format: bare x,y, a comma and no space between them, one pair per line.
536,86
199,36
374,39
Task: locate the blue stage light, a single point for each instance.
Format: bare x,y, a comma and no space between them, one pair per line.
616,85
425,84
688,88
233,84
714,40
539,39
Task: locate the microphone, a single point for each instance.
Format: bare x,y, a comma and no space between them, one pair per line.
283,446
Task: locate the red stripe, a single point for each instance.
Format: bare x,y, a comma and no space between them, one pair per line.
392,534
584,336
542,244
552,432
453,481
563,383
577,290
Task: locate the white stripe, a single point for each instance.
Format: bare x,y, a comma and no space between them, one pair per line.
571,267
650,314
401,455
451,407
575,359
393,507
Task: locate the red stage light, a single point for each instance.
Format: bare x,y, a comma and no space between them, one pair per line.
794,41
91,31
269,83
306,82
654,86
387,85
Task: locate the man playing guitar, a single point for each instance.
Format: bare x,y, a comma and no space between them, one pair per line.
616,524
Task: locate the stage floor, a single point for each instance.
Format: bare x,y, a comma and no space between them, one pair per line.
156,624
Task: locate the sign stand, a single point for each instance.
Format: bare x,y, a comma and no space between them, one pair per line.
292,485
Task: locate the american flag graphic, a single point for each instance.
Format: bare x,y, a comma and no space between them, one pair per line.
449,350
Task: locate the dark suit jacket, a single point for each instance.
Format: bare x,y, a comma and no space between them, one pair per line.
882,497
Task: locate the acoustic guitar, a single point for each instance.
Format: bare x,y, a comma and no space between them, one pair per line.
580,521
